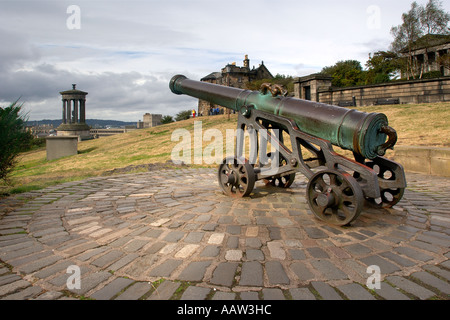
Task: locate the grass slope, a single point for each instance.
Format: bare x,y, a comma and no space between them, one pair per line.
423,125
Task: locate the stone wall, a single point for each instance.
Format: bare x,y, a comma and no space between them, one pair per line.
427,160
415,91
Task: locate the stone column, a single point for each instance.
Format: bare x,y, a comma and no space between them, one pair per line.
75,111
82,111
438,67
64,111
69,111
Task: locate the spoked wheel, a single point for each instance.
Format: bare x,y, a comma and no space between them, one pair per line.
236,177
389,197
335,197
284,181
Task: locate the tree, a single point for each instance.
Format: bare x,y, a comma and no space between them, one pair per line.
406,34
13,138
346,73
381,67
433,19
183,115
417,24
167,119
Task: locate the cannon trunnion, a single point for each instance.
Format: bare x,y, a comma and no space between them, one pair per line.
338,186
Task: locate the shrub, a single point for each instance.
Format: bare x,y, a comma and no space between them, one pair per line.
13,138
183,115
431,75
167,119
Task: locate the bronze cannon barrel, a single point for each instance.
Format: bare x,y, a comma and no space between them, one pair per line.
361,132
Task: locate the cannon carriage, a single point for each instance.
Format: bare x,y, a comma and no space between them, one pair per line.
338,186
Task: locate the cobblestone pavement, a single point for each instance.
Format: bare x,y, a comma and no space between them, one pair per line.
173,235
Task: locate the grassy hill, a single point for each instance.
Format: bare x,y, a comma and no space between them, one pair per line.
424,125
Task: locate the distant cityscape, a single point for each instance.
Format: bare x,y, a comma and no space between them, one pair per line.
94,123
99,128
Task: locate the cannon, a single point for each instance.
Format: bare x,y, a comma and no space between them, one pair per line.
338,186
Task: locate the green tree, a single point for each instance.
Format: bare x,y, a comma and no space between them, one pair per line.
13,138
346,73
167,119
183,115
381,67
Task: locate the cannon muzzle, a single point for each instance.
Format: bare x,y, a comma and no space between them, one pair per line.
366,134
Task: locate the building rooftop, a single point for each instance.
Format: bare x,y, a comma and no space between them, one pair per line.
429,41
74,91
232,68
212,76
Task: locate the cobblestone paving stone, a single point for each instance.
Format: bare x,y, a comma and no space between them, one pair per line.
173,235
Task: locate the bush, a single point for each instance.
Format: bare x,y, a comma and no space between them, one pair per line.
167,119
36,143
13,138
432,75
183,115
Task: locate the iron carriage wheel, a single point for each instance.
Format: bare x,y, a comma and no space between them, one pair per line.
236,177
335,197
284,181
389,197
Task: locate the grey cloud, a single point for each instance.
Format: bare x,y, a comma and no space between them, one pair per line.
375,44
15,50
117,96
126,51
303,69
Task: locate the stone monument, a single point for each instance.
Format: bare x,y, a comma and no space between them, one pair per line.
74,114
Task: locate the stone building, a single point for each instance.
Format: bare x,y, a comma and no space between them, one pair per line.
427,51
233,76
307,87
41,130
150,120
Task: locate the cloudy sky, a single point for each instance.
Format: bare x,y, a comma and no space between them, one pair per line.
124,52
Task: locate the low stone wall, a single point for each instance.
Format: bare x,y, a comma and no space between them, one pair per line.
427,160
318,88
417,91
